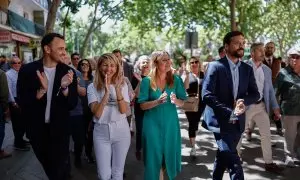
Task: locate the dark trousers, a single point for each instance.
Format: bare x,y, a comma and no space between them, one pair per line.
227,156
138,133
18,125
77,133
89,127
194,119
278,124
53,153
2,130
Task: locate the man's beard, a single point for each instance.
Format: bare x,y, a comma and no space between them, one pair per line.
268,54
236,54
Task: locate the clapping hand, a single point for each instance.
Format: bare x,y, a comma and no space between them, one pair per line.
43,79
118,83
163,98
173,98
67,79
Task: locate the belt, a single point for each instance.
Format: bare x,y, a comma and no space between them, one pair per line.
259,101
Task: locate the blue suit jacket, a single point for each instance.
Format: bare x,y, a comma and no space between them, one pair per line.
217,94
268,92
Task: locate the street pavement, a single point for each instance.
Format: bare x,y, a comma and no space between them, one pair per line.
25,166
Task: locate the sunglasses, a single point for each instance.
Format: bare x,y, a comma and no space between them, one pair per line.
194,62
295,57
84,64
16,63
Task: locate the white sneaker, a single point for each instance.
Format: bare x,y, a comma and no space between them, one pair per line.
193,151
289,162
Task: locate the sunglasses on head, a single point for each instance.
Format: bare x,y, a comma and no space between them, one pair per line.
194,62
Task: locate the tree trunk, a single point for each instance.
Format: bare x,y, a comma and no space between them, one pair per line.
64,23
232,15
53,6
89,32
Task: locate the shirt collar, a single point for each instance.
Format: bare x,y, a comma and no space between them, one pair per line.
231,64
254,65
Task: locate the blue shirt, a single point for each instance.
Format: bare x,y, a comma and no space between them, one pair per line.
12,78
78,110
234,68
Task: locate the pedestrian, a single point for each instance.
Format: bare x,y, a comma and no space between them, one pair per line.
160,92
193,85
47,91
287,87
258,113
108,98
85,68
17,120
4,92
3,63
229,85
142,69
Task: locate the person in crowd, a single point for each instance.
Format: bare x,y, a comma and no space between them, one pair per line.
47,91
229,85
287,88
127,67
193,85
3,63
93,62
258,113
75,58
222,52
76,119
4,94
85,68
181,71
160,92
142,69
274,63
17,120
108,98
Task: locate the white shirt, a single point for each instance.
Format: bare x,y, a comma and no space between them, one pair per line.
259,78
111,111
50,74
12,78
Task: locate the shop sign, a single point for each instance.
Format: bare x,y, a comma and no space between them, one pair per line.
5,36
20,38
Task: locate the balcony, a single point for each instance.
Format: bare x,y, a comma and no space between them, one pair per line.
19,23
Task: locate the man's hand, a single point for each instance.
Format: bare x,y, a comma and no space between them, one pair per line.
43,79
240,107
277,115
67,79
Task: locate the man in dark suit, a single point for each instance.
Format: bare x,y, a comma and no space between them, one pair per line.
274,63
47,92
229,85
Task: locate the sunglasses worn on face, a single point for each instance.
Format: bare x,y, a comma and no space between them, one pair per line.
84,64
295,57
16,63
194,62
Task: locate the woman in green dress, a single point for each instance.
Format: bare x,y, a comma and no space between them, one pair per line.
160,93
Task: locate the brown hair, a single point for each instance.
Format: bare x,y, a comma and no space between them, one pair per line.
254,46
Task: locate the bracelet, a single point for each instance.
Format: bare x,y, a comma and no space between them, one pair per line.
120,99
63,88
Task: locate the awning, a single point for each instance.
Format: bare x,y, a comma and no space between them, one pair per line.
7,36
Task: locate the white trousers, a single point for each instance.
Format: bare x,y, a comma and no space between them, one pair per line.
292,141
257,114
111,144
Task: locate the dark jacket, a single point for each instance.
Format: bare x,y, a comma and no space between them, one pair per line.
217,94
33,110
275,67
3,94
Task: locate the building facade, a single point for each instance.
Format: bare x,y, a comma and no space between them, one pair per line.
22,25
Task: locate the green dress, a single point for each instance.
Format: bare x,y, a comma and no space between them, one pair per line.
161,137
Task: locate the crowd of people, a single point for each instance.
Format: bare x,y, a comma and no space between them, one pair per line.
102,103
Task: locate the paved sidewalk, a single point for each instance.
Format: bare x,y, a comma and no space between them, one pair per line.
24,165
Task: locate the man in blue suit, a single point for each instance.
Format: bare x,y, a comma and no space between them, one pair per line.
258,113
229,85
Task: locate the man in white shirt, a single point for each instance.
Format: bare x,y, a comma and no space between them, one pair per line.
47,91
15,111
258,113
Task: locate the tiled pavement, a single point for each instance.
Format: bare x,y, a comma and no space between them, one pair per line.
24,165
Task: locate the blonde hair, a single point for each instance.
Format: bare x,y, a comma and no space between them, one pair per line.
99,79
155,57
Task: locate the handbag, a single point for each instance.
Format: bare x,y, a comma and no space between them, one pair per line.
192,102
